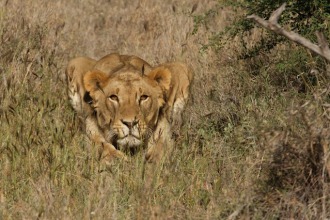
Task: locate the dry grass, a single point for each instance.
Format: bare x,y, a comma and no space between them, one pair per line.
228,161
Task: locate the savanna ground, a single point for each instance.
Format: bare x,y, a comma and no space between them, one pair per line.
256,136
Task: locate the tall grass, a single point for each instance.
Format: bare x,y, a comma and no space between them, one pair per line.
254,142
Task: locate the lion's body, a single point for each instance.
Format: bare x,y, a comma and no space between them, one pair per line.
179,92
126,103
113,62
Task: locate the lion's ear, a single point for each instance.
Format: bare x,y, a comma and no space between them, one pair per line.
94,80
162,76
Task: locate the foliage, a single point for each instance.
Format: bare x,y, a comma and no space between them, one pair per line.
305,17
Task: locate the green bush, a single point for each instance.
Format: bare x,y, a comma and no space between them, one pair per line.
303,17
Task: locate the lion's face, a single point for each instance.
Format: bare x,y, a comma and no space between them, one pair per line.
127,103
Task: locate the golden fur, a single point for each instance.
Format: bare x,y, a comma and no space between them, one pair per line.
125,103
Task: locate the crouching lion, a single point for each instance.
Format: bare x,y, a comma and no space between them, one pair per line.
126,104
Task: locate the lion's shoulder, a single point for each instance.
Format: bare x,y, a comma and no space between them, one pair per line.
181,72
178,93
75,71
181,78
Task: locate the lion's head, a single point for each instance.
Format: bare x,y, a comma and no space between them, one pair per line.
128,103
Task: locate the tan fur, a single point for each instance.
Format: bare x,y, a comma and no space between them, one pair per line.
113,62
75,72
178,93
132,105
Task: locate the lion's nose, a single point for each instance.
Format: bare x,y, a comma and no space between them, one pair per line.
130,124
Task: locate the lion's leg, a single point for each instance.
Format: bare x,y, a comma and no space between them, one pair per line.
160,143
178,108
108,151
154,152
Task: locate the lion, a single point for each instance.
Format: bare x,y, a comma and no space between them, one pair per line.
128,105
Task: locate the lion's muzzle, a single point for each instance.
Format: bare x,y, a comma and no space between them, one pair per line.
129,135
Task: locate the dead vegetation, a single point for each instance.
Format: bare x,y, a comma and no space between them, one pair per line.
255,140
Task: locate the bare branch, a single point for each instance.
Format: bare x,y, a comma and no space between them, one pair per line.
276,14
322,42
272,24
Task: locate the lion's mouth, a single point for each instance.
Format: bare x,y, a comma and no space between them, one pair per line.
129,141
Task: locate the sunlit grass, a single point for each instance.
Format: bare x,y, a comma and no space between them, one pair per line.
222,165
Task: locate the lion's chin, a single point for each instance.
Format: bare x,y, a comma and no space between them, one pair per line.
129,142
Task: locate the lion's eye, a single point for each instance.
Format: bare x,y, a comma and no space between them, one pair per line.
143,97
114,98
